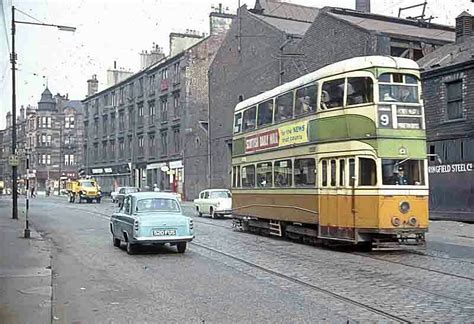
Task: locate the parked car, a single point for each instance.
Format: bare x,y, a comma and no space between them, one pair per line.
113,194
147,218
123,192
214,202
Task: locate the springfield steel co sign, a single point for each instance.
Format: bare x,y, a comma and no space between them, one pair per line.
286,135
452,168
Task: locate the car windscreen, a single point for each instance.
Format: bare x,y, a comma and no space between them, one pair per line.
88,184
157,205
220,194
130,190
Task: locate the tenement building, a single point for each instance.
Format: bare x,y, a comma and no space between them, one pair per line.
448,91
276,42
151,128
51,136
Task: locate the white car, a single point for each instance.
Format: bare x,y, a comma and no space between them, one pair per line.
214,202
113,194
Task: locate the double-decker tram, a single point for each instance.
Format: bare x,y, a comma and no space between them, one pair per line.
338,154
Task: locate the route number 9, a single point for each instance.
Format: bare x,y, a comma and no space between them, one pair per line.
385,119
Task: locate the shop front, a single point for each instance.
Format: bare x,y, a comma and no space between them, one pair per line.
109,177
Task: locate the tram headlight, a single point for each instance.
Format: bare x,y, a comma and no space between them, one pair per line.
395,221
412,221
404,207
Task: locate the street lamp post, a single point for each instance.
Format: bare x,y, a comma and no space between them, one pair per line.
13,58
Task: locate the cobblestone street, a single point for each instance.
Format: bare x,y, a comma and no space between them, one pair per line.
231,276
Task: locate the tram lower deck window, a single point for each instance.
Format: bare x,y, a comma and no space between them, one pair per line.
403,172
248,176
305,172
367,172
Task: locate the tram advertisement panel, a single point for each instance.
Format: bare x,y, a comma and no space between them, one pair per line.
295,133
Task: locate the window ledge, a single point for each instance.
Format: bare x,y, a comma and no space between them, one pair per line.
457,120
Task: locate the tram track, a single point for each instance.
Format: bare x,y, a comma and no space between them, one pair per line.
305,284
199,220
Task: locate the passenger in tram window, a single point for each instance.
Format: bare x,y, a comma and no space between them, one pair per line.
324,99
305,104
406,95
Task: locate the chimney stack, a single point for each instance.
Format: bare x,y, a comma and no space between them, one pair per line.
464,26
363,5
92,85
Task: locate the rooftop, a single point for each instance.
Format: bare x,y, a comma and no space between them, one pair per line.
285,10
450,54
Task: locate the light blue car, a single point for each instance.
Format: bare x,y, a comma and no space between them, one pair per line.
151,218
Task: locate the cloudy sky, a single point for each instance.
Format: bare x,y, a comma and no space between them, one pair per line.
118,30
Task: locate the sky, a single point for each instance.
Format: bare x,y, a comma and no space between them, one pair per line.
118,30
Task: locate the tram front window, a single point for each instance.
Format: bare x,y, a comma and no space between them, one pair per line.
403,172
396,87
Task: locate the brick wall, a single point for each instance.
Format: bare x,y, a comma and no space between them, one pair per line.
233,73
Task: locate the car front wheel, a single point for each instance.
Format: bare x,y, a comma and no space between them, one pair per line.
181,247
131,248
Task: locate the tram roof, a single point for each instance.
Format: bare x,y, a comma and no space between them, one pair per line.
352,64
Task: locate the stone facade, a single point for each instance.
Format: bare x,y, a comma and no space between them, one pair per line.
151,128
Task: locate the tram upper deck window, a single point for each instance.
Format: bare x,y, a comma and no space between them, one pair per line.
367,172
403,172
396,87
237,123
248,176
265,113
249,119
283,173
305,172
264,175
305,100
359,90
332,95
284,107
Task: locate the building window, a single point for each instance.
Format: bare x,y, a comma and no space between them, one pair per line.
121,120
69,159
106,99
121,147
140,114
454,100
164,143
151,89
112,150
164,109
131,118
151,144
130,91
176,140
69,122
176,73
176,105
96,127
104,125
164,74
44,159
112,122
151,111
121,96
114,102
141,142
104,150
96,151
140,87
46,122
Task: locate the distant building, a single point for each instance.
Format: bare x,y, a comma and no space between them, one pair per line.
276,42
52,135
151,128
448,92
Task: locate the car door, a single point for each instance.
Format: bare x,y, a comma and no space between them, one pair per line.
206,202
128,220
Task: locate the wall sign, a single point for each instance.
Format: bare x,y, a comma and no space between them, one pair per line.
261,141
452,168
294,134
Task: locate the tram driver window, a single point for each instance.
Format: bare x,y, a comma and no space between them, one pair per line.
332,94
249,118
284,107
264,175
305,172
359,90
248,176
265,113
305,100
403,172
367,172
283,173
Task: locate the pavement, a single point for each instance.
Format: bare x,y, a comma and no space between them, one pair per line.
25,271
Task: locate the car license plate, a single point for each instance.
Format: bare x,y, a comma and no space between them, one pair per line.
164,232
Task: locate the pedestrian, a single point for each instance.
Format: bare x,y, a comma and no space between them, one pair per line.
33,192
156,188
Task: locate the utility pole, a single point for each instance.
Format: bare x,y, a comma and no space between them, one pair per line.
14,167
13,58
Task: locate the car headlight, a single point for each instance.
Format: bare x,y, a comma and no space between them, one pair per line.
404,207
412,221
